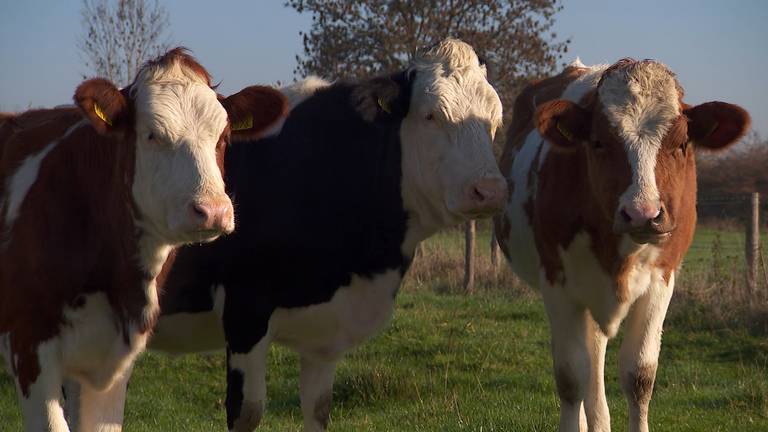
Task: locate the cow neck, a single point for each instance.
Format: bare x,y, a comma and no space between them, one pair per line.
127,262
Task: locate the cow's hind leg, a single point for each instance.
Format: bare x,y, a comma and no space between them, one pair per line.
570,355
639,355
595,404
316,390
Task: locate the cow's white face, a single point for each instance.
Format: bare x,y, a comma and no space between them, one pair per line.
178,185
636,133
449,170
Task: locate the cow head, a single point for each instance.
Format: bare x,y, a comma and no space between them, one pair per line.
449,170
180,128
639,140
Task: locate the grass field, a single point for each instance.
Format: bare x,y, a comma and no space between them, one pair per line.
449,362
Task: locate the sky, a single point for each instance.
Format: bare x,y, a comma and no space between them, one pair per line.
718,49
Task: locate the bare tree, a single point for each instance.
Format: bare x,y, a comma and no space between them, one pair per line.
120,35
360,38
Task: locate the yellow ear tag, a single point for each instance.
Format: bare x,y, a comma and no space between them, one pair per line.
245,124
565,132
384,106
100,114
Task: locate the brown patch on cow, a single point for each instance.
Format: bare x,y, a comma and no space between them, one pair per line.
638,385
89,248
567,386
322,410
521,126
622,278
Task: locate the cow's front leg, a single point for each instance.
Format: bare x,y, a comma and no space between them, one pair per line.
639,354
595,404
246,387
570,355
246,324
39,398
101,411
316,391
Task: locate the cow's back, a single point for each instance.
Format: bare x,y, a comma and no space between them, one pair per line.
25,134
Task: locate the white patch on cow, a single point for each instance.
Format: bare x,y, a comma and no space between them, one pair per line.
447,135
354,313
587,283
181,333
92,346
177,168
576,63
641,103
153,253
253,366
297,93
585,83
25,176
218,293
41,411
522,247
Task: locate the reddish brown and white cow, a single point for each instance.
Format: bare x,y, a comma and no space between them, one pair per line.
600,163
91,202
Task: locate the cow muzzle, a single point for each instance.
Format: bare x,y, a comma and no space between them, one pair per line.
211,218
485,197
644,223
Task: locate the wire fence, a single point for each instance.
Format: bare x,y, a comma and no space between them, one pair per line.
727,242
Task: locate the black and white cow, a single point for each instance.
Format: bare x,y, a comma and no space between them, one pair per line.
330,209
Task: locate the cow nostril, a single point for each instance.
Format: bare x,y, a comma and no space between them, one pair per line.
200,211
478,194
624,215
659,217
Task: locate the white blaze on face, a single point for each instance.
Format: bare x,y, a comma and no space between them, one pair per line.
179,121
641,102
448,134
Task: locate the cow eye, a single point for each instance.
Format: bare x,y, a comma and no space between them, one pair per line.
151,136
429,116
684,146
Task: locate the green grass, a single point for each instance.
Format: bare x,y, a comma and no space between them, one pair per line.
449,362
454,363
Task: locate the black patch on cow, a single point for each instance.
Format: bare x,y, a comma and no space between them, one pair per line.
315,205
234,398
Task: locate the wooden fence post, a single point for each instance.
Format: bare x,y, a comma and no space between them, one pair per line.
469,257
495,251
752,243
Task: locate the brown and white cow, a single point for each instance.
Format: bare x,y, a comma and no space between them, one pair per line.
91,201
600,163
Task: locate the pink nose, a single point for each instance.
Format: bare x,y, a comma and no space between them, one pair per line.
641,214
213,215
488,195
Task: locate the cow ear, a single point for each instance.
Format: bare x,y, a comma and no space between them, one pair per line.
103,105
716,125
253,110
384,97
563,123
